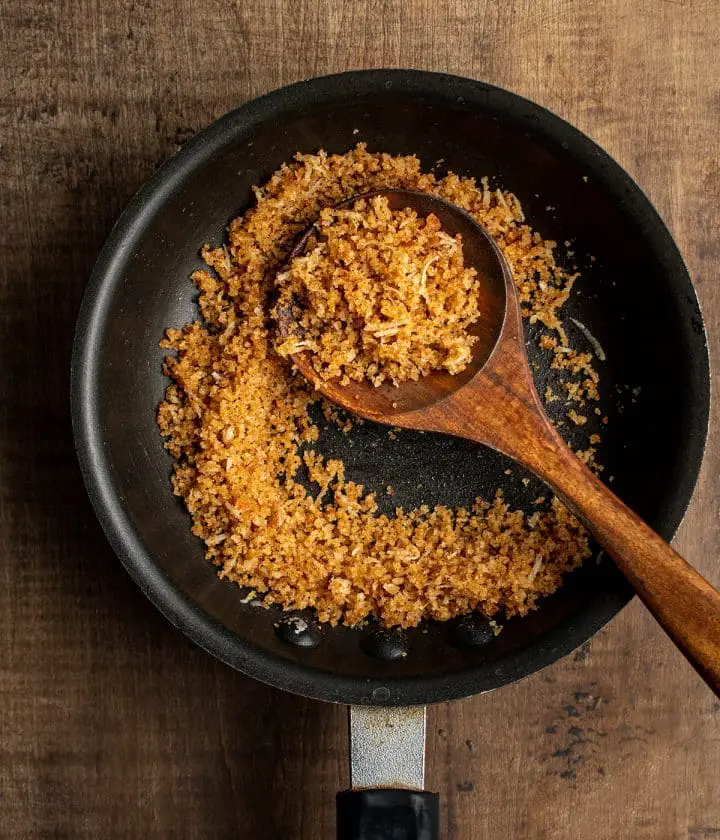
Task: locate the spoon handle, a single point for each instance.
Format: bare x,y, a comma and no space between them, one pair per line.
501,408
682,601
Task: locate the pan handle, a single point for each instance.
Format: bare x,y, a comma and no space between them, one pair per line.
386,800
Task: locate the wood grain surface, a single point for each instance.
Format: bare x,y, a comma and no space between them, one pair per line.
112,725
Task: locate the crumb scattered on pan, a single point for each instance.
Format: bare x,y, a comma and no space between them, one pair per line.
594,343
236,414
550,395
587,456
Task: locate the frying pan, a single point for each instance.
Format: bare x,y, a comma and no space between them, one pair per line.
635,297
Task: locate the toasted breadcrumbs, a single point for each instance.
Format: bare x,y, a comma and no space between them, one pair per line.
235,415
380,294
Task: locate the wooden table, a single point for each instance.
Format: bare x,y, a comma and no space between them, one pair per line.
112,725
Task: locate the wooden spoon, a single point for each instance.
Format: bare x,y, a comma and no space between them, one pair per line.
494,401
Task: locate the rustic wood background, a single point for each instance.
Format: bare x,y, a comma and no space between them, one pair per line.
112,725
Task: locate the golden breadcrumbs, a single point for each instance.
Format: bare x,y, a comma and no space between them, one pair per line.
380,294
235,414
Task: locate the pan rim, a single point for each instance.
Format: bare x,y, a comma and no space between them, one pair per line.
181,610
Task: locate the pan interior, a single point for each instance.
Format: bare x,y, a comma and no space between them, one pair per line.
634,297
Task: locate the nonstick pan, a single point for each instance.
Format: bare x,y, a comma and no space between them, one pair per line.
634,297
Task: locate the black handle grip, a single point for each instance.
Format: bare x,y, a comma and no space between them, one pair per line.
388,814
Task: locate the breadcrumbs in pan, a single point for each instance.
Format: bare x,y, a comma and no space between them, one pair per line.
380,294
236,414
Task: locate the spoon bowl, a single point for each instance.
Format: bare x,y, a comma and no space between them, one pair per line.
388,403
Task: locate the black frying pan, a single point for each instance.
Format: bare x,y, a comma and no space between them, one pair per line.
635,297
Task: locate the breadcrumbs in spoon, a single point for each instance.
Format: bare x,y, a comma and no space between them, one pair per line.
380,294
